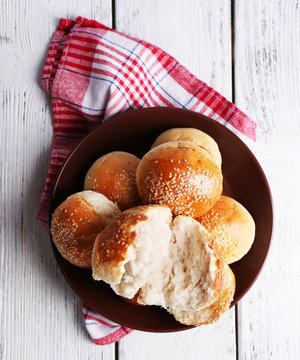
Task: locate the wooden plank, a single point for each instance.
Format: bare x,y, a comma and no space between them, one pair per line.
40,314
215,341
198,34
267,77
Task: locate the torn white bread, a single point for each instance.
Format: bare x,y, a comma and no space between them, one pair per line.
144,253
215,310
195,271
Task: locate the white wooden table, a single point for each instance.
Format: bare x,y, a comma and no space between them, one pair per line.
247,50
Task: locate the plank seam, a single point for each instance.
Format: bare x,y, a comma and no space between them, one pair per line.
117,350
232,50
232,11
113,25
113,13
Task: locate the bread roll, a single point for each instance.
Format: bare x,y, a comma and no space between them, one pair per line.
76,223
213,312
231,226
195,136
179,175
146,256
125,253
114,175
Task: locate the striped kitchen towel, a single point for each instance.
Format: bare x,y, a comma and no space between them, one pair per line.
93,72
102,330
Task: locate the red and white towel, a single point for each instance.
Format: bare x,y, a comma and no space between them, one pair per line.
93,72
102,330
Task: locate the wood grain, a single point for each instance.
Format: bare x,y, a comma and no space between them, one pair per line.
267,77
198,34
40,314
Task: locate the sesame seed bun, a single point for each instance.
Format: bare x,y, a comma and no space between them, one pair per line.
195,136
143,226
179,175
231,226
114,175
214,311
76,223
186,274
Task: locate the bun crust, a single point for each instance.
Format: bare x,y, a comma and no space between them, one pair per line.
195,136
111,245
114,175
231,226
134,300
76,223
179,175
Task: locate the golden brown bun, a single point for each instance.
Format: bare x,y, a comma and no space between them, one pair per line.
214,311
231,226
179,175
114,175
195,136
76,223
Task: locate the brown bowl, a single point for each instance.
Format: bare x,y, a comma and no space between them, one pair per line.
135,131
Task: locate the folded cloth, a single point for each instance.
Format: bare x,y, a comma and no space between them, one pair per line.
102,330
93,72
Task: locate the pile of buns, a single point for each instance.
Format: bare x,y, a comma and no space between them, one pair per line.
159,230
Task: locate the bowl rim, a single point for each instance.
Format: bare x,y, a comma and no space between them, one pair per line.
183,111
